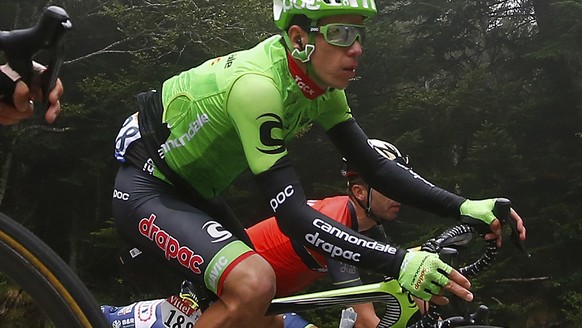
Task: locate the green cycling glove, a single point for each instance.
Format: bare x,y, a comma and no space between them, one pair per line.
423,274
480,210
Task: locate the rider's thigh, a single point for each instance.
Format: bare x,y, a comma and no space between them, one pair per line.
251,280
248,290
153,216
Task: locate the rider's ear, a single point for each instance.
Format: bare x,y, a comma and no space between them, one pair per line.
297,37
359,192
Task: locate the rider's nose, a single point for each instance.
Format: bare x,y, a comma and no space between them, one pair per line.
355,49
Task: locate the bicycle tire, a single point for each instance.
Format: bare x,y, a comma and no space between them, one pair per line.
46,278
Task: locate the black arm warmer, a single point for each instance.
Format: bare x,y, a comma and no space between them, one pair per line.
391,179
300,222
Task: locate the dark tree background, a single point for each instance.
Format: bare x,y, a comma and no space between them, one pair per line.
485,96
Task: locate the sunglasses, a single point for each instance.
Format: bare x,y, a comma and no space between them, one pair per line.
341,35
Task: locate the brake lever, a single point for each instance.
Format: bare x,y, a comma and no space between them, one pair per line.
56,54
502,211
481,316
462,307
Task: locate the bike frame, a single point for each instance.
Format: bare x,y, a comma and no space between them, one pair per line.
375,292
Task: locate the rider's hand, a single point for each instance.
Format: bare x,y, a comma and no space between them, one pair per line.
425,276
482,210
23,97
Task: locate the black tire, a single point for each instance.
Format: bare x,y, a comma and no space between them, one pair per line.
46,278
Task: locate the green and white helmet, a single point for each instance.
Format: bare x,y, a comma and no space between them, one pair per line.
284,10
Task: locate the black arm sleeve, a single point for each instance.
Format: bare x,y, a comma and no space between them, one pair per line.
300,222
391,179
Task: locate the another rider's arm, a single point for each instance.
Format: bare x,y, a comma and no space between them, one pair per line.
347,275
367,317
14,90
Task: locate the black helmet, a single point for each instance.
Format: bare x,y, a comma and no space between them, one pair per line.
383,148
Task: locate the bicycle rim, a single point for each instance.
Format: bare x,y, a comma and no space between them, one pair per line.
37,270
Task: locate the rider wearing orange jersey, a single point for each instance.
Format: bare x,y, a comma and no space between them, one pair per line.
363,210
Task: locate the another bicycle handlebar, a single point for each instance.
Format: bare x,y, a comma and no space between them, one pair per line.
20,46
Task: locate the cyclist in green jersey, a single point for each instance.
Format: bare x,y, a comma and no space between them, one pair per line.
205,126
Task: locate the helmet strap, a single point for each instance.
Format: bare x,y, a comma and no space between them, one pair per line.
367,207
312,35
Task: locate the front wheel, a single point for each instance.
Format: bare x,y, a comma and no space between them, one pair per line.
33,275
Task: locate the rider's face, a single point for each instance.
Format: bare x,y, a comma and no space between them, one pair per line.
384,207
381,206
336,65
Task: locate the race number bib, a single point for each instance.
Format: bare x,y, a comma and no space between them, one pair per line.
173,312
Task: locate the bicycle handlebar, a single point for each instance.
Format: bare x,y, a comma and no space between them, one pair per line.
20,46
458,236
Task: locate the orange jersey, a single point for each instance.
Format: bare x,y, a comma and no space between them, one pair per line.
293,274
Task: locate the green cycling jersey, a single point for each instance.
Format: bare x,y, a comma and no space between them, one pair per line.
237,111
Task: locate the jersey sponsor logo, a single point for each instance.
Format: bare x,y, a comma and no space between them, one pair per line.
352,239
331,249
217,270
216,231
265,133
181,141
181,305
229,60
125,310
149,166
281,197
145,310
120,195
304,87
348,268
171,247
